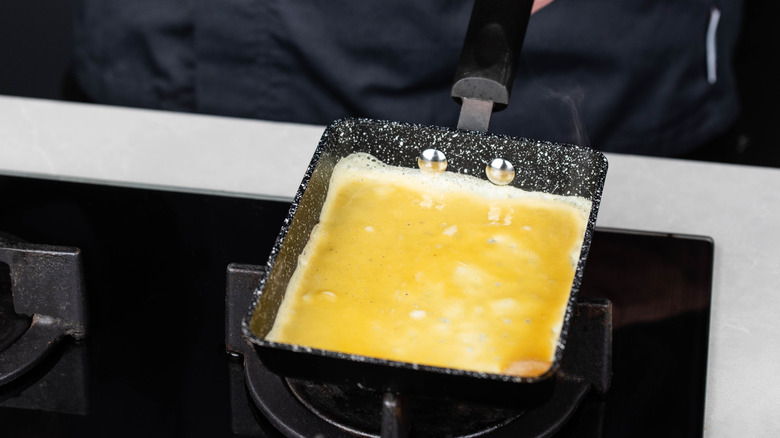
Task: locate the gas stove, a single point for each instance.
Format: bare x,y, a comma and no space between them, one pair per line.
152,358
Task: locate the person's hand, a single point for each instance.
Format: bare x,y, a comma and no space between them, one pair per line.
539,4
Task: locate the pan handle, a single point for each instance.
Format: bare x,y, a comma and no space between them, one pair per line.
491,50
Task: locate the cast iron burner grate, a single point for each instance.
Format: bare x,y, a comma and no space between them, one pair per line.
41,301
299,408
360,410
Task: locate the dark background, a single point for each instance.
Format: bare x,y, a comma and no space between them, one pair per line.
35,42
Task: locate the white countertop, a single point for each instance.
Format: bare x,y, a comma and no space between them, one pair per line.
738,206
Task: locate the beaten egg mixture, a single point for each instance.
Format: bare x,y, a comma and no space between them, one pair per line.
437,269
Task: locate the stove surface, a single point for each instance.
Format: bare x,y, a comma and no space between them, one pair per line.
154,361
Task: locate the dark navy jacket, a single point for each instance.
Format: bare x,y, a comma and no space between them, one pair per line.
637,76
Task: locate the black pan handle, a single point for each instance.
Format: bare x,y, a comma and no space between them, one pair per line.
490,53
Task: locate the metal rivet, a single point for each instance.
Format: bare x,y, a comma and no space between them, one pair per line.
432,160
500,171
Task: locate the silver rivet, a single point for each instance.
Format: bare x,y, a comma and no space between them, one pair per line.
432,160
500,171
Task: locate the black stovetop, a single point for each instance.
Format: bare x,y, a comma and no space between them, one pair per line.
154,361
